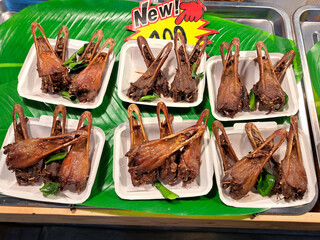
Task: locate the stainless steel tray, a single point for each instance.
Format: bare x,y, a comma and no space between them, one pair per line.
265,17
307,31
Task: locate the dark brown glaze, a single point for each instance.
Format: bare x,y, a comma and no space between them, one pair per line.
195,56
161,86
243,175
189,165
30,151
145,84
50,171
152,154
61,43
228,155
183,87
138,136
75,167
53,74
86,85
232,93
167,171
293,175
272,165
267,90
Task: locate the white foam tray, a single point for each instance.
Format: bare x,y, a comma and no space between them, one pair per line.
42,128
122,179
242,146
131,62
249,73
29,85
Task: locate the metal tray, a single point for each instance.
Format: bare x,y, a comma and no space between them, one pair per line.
307,31
262,16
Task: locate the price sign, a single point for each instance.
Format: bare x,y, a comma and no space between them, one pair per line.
164,20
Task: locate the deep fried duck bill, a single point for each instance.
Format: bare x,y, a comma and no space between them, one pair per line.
241,175
146,157
267,90
25,156
83,83
184,85
232,93
53,74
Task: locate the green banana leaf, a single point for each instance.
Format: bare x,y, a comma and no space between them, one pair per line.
83,18
313,58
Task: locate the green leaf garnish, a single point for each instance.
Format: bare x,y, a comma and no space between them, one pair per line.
149,98
72,98
56,157
194,75
266,182
50,188
77,65
252,101
286,98
81,50
165,191
73,58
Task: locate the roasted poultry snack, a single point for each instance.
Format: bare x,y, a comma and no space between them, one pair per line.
168,171
152,154
232,93
138,136
76,166
267,90
146,83
183,87
61,43
292,173
228,155
146,158
30,174
189,166
26,155
161,85
271,166
195,55
87,83
92,47
244,174
54,75
50,170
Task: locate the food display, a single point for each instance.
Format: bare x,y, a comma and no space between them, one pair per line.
288,174
162,82
36,159
163,149
147,82
146,158
268,91
77,78
53,74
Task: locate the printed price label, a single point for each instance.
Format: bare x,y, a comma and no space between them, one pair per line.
164,20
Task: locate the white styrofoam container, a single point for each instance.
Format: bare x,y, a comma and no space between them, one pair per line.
242,146
249,74
131,64
29,85
42,128
122,179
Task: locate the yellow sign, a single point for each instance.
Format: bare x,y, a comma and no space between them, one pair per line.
164,20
